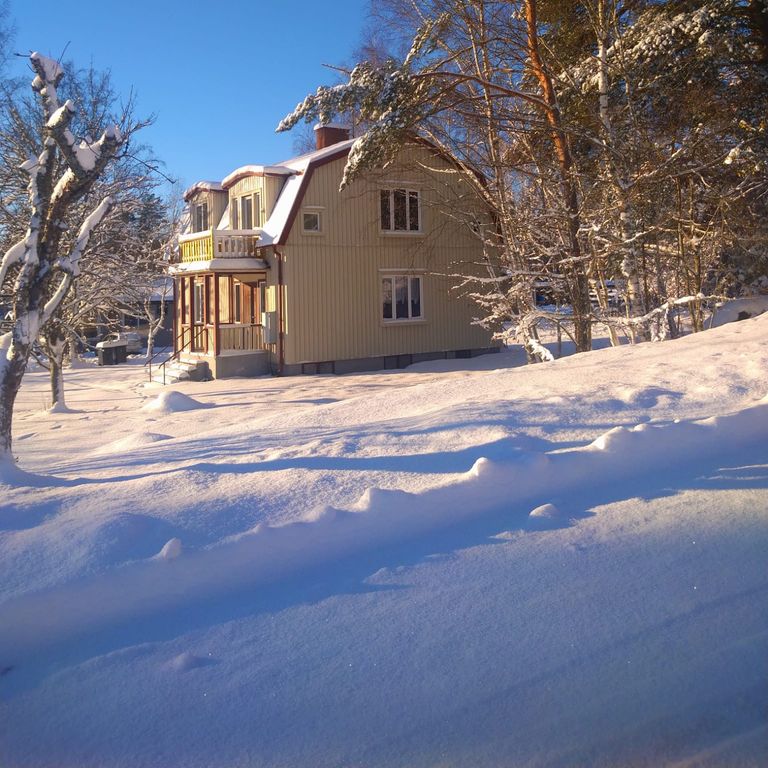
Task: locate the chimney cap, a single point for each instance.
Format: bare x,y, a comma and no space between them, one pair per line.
336,126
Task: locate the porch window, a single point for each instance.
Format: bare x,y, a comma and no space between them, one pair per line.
237,303
200,216
400,210
262,291
401,298
210,287
184,291
199,303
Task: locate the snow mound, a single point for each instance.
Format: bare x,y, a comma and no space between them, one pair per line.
648,397
547,517
171,550
545,512
131,442
738,309
60,408
172,401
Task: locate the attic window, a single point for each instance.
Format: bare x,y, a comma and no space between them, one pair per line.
246,212
310,222
200,216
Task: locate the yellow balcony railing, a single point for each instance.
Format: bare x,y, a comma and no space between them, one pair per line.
219,244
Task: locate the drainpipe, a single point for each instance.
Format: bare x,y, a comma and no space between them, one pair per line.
280,331
176,310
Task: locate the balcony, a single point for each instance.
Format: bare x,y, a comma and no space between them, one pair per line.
219,244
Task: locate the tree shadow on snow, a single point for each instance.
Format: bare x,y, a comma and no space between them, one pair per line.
351,574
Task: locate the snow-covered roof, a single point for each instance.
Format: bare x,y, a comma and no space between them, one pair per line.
185,221
202,186
162,289
239,263
300,161
254,170
275,228
296,170
224,221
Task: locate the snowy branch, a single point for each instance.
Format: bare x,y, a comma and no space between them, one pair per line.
12,256
70,264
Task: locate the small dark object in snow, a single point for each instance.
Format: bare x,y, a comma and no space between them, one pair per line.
743,315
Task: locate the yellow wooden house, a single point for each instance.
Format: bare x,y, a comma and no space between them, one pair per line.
282,273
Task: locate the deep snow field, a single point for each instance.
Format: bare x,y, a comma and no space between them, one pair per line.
464,563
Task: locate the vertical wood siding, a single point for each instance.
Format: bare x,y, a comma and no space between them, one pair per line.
333,301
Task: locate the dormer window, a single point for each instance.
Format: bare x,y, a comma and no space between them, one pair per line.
200,216
246,212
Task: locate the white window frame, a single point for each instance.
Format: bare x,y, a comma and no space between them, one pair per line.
390,229
245,204
200,210
312,210
409,277
256,209
253,199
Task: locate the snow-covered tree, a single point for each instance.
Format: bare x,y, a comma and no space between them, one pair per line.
621,146
476,84
126,254
43,264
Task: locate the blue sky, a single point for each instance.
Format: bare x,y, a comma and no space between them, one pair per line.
218,76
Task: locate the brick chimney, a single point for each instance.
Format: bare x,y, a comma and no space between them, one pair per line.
327,135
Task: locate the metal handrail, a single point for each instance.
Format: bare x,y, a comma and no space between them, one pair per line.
174,356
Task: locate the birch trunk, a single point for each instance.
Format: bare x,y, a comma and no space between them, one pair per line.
55,347
11,373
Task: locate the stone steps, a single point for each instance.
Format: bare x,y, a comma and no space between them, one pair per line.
182,370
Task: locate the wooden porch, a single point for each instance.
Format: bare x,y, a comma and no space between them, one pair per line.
220,313
201,339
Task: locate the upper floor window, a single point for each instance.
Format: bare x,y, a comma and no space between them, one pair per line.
246,212
200,216
400,210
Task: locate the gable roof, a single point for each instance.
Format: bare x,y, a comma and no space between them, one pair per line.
254,170
202,186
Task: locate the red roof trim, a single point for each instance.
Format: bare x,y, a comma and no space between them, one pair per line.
303,189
